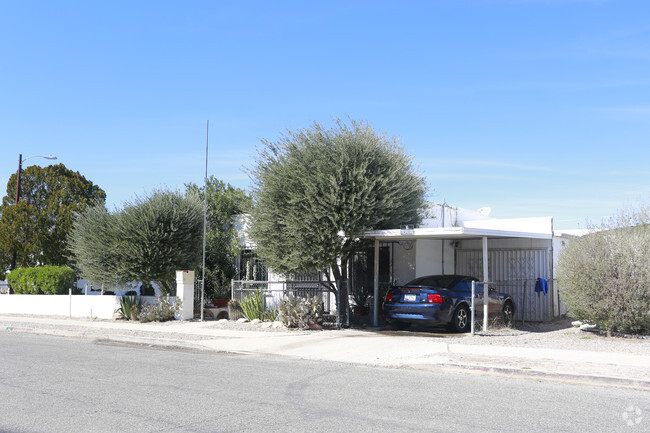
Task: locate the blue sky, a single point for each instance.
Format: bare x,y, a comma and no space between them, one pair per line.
533,108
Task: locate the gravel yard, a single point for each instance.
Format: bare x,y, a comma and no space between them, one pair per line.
559,335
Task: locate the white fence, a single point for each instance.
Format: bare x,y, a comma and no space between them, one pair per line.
100,307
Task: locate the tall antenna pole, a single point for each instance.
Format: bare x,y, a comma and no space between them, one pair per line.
205,214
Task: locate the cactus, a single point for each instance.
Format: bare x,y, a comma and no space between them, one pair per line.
301,312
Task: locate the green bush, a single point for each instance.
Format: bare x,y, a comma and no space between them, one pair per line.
272,315
130,307
253,306
22,281
604,277
301,312
162,310
49,280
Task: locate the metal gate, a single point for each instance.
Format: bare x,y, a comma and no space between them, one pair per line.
515,272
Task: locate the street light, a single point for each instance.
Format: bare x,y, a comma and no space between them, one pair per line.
20,165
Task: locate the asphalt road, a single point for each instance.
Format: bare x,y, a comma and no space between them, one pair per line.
56,384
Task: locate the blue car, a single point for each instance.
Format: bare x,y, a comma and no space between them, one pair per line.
442,300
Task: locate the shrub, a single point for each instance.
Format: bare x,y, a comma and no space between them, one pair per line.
253,306
272,315
360,297
161,310
604,276
49,280
22,281
235,310
301,312
130,307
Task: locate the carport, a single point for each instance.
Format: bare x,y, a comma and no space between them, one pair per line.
488,234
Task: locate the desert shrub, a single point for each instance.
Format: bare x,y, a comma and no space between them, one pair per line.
272,315
162,310
130,307
235,310
253,305
49,280
604,276
297,312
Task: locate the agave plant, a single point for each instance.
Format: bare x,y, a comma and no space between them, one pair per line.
253,305
129,307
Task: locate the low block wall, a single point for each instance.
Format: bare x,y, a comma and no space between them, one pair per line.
100,307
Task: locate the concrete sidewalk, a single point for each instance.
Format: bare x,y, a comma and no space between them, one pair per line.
370,347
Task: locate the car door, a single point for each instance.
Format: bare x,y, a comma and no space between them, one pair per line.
465,285
495,302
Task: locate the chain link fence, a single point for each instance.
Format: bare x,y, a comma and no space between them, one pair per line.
273,292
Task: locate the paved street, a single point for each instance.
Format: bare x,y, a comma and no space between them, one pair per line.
55,384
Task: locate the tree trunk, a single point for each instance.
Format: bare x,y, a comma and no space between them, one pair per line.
343,298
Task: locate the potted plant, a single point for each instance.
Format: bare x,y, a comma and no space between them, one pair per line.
360,298
221,296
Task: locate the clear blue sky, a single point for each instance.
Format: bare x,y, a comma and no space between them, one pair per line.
531,107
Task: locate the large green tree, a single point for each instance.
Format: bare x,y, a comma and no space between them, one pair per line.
148,240
317,189
224,204
37,229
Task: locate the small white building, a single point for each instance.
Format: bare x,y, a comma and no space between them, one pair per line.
449,240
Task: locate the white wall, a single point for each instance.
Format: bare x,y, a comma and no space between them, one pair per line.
429,260
100,307
404,261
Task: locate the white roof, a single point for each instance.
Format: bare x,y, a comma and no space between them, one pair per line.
532,228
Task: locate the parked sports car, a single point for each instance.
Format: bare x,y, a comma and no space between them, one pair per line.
442,300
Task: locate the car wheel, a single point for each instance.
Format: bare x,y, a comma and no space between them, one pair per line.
508,313
461,319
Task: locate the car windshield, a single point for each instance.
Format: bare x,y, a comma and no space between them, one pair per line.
442,281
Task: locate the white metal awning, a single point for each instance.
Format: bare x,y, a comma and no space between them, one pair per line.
452,233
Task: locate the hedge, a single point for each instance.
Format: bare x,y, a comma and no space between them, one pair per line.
48,280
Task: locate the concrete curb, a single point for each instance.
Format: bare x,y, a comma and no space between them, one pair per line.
584,379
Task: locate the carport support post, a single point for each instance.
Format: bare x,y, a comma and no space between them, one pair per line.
485,284
185,292
473,307
375,296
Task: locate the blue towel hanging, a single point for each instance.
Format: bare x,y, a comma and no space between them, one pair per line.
541,285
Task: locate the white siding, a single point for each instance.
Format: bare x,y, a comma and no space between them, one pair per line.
404,261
